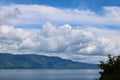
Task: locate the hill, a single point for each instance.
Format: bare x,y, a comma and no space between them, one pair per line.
33,61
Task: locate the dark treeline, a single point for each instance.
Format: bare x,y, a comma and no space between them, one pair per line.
110,69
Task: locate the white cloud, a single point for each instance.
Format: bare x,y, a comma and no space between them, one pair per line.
79,44
60,41
7,14
40,14
112,14
112,11
108,33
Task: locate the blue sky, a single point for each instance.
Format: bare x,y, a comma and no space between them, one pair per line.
80,30
69,3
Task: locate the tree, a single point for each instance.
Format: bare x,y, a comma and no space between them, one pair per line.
110,69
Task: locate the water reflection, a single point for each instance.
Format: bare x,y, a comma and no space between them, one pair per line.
49,74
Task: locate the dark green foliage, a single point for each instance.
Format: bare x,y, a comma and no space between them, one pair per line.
32,61
110,69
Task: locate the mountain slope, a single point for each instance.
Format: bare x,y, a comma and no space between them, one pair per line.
33,61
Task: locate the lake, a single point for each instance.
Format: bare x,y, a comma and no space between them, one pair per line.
49,74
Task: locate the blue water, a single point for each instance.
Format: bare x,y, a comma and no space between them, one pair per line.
49,74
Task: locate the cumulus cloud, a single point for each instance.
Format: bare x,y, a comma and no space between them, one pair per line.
64,41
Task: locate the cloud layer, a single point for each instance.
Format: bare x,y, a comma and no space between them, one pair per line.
7,14
40,14
64,41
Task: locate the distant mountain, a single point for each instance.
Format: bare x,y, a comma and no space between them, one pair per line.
33,61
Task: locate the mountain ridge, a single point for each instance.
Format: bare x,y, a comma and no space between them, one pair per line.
34,61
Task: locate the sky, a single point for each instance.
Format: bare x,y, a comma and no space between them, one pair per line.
79,30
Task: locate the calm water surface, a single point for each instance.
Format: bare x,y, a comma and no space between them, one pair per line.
49,74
